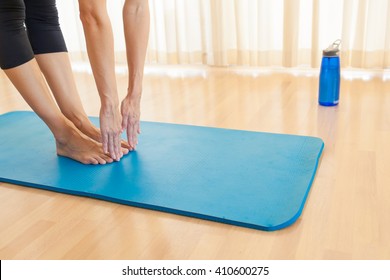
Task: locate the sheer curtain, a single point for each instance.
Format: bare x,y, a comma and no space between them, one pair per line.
277,33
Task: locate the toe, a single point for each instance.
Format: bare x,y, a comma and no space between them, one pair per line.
107,159
125,151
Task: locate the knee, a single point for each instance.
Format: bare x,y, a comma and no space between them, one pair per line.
92,15
135,7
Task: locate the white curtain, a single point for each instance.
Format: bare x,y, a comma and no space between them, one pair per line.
275,33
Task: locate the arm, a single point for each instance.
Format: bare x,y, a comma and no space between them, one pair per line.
100,48
136,21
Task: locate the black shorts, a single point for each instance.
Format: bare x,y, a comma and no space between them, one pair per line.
28,27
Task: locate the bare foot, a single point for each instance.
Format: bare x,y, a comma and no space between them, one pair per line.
87,127
73,144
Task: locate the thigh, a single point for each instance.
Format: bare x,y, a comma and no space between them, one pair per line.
43,26
41,14
15,48
12,12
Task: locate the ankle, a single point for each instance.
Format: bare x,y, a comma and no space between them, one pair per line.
76,119
64,130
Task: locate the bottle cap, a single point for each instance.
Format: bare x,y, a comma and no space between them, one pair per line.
333,49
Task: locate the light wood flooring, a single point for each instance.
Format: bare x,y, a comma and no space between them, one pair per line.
347,214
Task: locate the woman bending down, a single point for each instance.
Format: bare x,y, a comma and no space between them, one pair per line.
32,44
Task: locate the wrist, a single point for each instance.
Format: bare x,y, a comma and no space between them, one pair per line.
134,93
134,88
109,109
109,103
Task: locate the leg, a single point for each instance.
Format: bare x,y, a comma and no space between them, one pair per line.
58,73
136,20
53,59
50,52
57,70
25,74
98,32
70,141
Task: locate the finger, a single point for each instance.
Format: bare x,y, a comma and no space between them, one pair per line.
138,130
135,139
125,126
125,120
111,149
133,136
119,138
105,142
116,144
130,136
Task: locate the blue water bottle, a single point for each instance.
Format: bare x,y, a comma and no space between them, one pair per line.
329,89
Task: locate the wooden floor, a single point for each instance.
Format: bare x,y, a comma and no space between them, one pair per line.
347,214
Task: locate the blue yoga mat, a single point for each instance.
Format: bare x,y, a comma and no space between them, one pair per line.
250,179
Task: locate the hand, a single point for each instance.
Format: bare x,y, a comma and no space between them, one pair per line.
110,128
130,109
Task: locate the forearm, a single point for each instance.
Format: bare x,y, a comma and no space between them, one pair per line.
136,20
100,48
